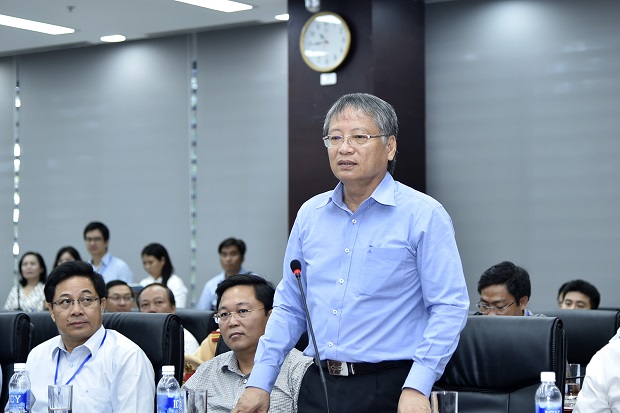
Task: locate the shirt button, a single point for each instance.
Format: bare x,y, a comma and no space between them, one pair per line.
71,364
354,221
330,344
335,312
346,250
245,381
341,281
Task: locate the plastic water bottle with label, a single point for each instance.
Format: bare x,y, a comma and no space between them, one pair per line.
19,390
548,396
169,392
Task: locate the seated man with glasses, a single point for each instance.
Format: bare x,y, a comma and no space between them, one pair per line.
119,297
108,372
504,289
244,304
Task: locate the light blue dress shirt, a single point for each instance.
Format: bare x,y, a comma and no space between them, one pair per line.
113,268
383,283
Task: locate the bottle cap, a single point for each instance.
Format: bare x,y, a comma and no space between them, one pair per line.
19,367
167,369
547,376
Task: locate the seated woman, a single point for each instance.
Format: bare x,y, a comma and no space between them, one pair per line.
66,254
28,295
157,263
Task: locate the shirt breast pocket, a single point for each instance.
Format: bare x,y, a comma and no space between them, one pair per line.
384,272
97,397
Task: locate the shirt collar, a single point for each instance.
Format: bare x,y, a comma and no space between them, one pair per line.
383,193
232,364
105,260
92,344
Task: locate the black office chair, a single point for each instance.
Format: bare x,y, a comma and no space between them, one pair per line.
14,347
587,331
496,366
198,322
42,328
160,336
222,347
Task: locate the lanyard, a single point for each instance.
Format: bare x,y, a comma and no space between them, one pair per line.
81,365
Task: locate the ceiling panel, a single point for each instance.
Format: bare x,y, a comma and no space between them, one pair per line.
135,19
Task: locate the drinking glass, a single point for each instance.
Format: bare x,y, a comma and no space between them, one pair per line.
195,400
444,402
59,398
572,386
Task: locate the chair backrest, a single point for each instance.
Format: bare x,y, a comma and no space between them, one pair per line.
222,347
496,366
14,347
587,331
198,322
160,336
43,328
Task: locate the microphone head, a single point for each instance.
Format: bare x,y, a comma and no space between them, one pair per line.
295,266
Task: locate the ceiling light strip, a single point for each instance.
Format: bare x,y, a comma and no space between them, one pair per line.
33,25
226,6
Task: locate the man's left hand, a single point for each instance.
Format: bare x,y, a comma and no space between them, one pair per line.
412,401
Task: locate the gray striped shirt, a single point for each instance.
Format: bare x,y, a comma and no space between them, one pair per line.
225,383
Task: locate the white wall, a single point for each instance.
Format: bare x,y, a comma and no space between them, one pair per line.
523,137
105,137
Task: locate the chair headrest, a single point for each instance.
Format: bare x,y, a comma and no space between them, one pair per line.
505,353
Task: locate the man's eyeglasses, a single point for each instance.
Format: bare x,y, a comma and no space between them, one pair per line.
92,240
485,309
242,313
120,298
66,303
335,141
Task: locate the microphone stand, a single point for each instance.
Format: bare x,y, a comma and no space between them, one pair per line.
317,360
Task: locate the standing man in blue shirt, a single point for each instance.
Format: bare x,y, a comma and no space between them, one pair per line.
385,286
97,238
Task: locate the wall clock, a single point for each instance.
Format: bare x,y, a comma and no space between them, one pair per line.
325,41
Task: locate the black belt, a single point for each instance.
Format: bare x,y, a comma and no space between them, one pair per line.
343,368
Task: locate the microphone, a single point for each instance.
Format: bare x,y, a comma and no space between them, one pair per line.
296,268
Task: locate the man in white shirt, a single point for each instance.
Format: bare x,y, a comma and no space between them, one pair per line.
109,373
97,239
158,298
232,253
600,391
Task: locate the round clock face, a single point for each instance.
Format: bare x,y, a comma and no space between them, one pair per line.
325,41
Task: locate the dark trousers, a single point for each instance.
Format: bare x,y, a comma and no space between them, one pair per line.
372,392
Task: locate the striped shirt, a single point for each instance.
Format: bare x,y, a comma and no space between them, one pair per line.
225,382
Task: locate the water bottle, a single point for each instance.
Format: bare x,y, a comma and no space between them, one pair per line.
19,390
168,392
548,396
